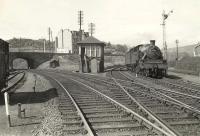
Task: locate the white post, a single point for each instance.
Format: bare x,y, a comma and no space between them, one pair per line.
6,102
79,50
6,98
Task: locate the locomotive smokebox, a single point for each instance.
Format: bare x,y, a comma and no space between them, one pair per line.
152,42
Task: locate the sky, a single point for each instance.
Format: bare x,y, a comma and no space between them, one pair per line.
130,22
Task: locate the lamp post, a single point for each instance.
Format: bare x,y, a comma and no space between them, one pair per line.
165,16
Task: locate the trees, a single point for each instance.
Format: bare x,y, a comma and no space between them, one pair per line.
121,48
29,43
116,48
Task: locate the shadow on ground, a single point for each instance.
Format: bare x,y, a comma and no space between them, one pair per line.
173,77
25,124
30,97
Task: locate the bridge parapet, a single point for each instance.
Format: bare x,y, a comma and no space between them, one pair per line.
29,50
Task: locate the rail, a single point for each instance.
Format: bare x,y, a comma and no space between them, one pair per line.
127,109
151,115
88,128
14,75
13,84
179,103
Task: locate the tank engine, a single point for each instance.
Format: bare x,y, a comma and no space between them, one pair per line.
146,59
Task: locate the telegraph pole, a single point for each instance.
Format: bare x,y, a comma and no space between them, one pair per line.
44,48
177,49
62,31
49,34
165,16
91,28
52,41
80,19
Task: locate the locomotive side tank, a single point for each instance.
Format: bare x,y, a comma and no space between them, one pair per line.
147,60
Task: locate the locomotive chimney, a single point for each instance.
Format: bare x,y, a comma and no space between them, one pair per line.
152,42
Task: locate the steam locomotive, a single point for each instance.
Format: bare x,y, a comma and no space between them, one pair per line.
147,60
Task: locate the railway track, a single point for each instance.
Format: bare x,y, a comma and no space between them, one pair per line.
124,99
183,82
14,74
175,115
187,117
14,80
185,96
178,85
103,115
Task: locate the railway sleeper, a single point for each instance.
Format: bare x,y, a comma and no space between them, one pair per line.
101,111
128,133
105,115
64,103
86,110
67,108
92,104
64,113
97,106
73,123
172,115
118,128
74,131
76,118
170,119
185,122
187,127
125,118
114,123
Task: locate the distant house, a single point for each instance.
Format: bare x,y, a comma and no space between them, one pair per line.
66,40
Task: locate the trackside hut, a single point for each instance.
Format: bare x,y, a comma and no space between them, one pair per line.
91,51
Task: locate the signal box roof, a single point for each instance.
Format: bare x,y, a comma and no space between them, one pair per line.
91,40
3,42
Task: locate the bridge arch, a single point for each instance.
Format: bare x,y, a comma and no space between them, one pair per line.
21,63
34,59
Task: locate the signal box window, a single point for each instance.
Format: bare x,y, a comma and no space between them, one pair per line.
93,51
88,50
98,52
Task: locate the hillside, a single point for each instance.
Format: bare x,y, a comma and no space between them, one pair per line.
183,51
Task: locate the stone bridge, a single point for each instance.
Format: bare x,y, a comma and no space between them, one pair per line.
34,59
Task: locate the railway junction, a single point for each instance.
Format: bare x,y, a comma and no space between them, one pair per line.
135,99
117,103
74,84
